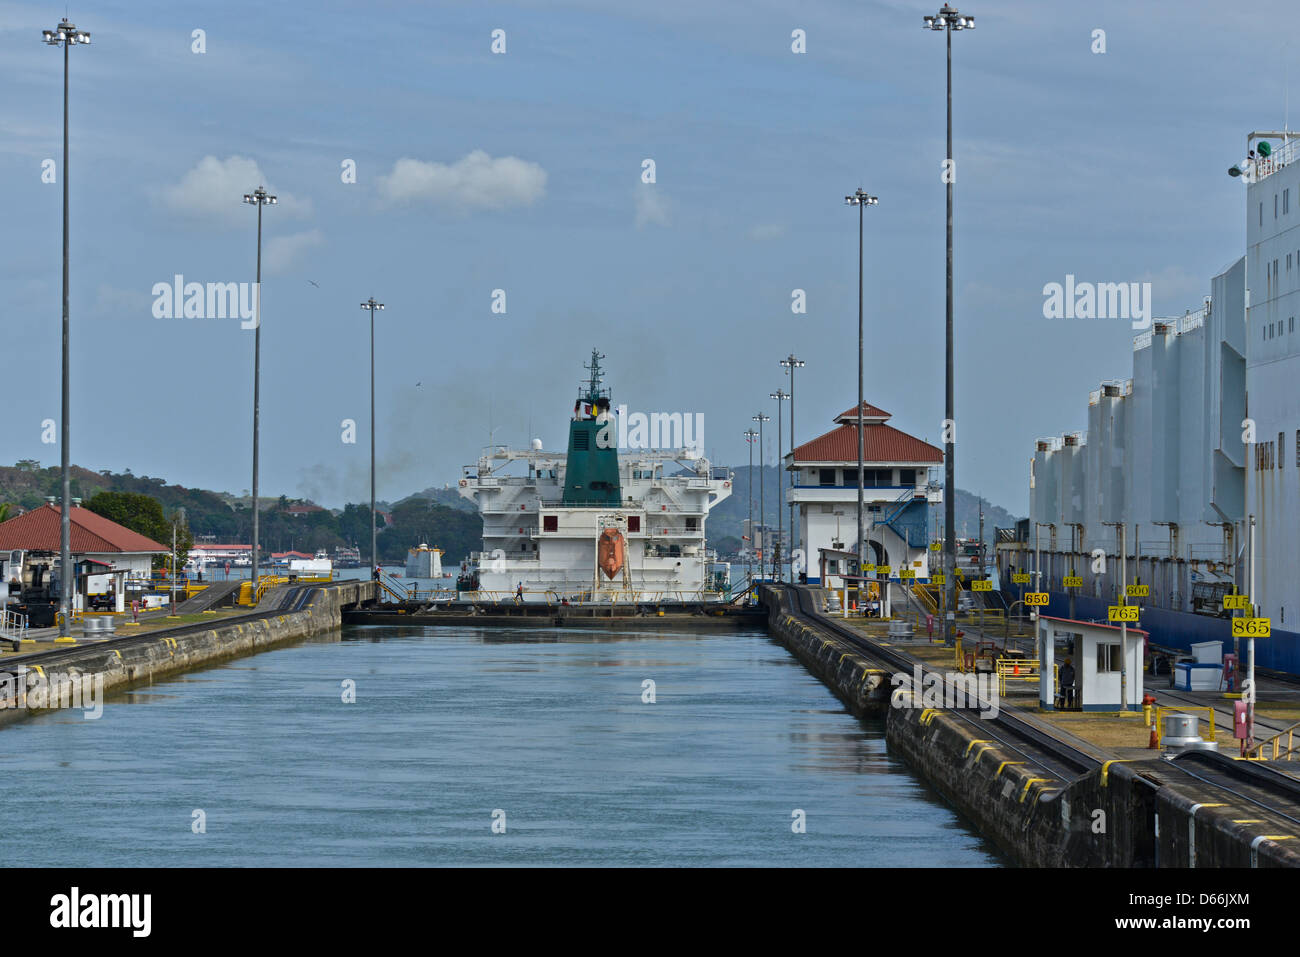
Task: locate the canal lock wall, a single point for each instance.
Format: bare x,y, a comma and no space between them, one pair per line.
130,660
1122,814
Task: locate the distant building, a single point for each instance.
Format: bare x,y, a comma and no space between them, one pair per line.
898,492
219,554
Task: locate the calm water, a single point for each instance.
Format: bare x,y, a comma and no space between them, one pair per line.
450,725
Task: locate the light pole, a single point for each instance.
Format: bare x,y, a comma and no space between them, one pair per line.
259,198
860,200
790,363
65,34
374,560
750,436
948,20
780,395
1121,599
762,484
1250,646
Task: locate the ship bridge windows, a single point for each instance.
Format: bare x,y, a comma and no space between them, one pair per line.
550,523
634,523
692,524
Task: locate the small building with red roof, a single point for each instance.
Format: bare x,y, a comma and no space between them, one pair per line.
900,484
31,542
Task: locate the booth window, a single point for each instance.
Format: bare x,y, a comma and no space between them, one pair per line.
1108,659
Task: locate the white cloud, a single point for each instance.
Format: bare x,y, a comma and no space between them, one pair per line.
215,188
283,251
474,181
651,207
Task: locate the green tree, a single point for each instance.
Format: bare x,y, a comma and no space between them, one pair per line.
143,514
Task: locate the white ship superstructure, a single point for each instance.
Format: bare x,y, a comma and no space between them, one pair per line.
591,525
1272,373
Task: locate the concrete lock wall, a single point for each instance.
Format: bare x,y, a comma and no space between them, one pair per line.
130,662
1121,814
862,685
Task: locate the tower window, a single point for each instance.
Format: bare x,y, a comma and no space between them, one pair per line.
550,523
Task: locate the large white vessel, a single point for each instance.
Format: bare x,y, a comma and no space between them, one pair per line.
589,524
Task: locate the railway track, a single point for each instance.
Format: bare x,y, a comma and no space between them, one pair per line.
1248,781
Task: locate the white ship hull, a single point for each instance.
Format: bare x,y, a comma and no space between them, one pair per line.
532,540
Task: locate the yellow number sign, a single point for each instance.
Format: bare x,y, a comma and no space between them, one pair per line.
1126,613
1073,581
1252,627
1236,602
1036,598
1020,578
981,586
1137,591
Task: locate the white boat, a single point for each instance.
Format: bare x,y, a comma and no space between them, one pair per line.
318,567
591,524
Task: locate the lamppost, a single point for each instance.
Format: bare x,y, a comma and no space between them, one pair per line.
762,484
780,395
948,20
790,363
65,34
750,436
860,200
259,198
374,560
1121,599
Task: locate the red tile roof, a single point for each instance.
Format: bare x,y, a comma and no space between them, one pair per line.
39,530
880,443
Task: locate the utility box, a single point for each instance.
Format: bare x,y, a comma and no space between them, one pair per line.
1097,658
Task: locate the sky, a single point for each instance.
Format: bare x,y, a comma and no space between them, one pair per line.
522,171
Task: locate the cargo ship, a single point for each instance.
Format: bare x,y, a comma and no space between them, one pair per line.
593,524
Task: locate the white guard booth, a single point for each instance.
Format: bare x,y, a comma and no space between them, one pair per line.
1096,660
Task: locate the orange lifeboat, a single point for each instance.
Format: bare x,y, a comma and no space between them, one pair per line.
611,551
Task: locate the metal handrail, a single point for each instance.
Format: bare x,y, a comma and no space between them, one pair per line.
1275,742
